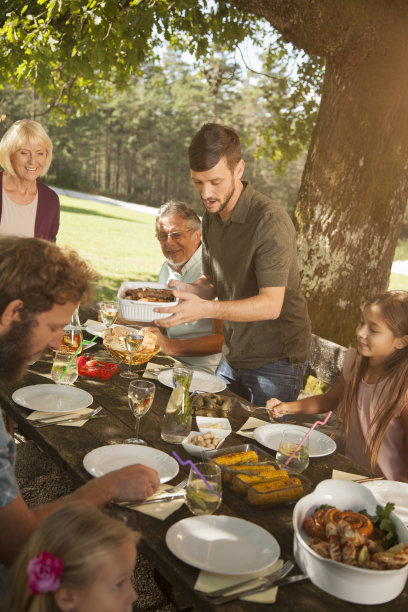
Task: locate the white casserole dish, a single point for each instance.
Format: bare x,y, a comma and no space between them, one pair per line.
354,584
133,310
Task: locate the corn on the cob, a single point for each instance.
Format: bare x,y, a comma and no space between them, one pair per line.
240,481
275,492
252,467
237,458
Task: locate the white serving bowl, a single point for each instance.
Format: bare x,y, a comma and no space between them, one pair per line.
142,311
204,425
354,584
199,451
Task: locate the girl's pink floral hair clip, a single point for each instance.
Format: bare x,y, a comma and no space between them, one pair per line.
44,573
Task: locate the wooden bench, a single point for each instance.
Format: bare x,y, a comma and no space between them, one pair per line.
326,360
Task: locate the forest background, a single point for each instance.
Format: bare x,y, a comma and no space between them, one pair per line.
133,144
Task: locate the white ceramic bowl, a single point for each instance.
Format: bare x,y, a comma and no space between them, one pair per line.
142,311
354,584
199,451
204,424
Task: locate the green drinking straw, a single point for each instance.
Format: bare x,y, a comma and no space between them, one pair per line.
76,353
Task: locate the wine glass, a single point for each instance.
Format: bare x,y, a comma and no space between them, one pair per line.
199,498
133,342
64,368
109,313
140,394
290,440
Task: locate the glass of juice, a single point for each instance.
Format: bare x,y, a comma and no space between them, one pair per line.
290,440
199,498
64,368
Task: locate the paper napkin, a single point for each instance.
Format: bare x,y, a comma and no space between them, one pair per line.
207,581
249,424
339,475
38,415
160,510
158,366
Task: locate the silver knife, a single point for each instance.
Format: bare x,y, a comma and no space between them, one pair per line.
261,580
259,589
162,499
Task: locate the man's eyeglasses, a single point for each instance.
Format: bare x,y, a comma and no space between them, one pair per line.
164,236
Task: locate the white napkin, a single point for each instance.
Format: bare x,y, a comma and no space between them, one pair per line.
158,366
207,581
249,424
37,414
339,475
160,510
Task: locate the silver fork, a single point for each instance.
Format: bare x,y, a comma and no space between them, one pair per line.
281,573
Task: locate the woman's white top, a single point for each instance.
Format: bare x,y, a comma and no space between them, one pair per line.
18,219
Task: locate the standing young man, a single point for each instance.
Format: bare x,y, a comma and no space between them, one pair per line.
250,265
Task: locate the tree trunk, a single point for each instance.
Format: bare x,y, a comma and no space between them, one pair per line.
354,188
355,182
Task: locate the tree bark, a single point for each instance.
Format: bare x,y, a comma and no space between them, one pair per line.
355,182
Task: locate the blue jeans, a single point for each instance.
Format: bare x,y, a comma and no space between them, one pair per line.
279,379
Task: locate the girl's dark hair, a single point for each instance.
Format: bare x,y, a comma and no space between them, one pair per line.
210,144
393,396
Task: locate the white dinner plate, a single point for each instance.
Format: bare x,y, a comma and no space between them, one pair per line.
52,398
105,459
391,491
202,381
222,544
96,328
320,445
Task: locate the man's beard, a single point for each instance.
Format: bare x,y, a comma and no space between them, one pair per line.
15,350
227,199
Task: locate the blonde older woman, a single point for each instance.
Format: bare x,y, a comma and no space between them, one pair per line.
27,206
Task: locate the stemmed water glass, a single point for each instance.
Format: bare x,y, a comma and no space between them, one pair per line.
140,394
109,313
133,342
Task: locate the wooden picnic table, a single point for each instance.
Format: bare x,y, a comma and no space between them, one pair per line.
67,446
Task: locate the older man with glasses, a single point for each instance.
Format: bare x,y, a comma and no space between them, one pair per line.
198,344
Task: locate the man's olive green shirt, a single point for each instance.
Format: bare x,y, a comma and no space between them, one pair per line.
256,248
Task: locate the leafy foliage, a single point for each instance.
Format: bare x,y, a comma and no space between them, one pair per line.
77,53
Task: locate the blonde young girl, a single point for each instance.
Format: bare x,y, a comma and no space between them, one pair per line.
78,560
372,392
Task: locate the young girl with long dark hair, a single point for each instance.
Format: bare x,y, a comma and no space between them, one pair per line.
372,392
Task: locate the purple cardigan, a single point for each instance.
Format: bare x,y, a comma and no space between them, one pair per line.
48,211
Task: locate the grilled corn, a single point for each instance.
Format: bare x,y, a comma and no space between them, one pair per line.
237,458
275,492
240,482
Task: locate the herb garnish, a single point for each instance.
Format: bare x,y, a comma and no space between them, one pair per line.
382,520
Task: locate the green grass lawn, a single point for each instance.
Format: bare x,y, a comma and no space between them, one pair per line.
120,244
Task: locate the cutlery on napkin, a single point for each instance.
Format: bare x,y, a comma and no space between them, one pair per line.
208,582
260,580
153,369
59,418
275,584
160,509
